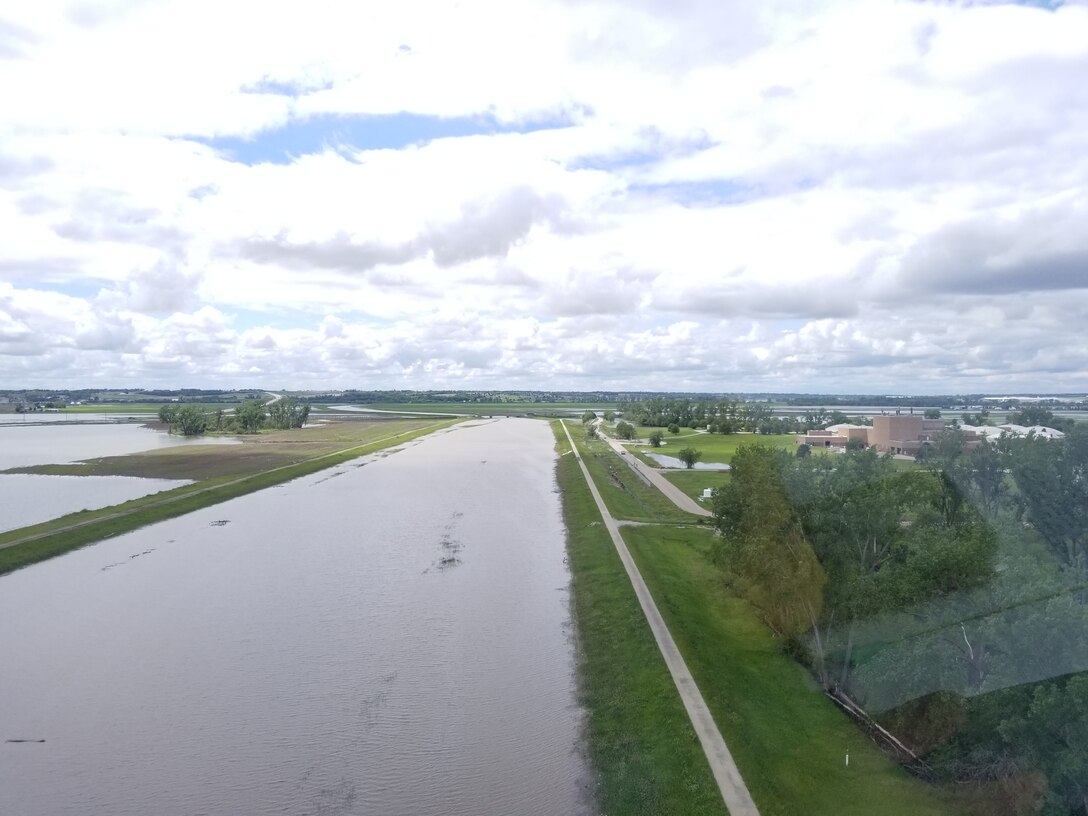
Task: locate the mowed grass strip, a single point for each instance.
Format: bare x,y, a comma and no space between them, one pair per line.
788,739
624,492
644,431
716,448
28,545
646,757
693,482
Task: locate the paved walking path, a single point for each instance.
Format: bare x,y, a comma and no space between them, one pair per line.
735,793
671,491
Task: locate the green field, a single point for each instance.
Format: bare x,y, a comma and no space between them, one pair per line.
624,492
692,482
788,738
644,431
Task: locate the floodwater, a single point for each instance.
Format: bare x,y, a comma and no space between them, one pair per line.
29,499
389,637
37,417
62,443
673,462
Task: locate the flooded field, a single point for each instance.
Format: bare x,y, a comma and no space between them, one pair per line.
29,499
388,637
38,417
672,462
61,443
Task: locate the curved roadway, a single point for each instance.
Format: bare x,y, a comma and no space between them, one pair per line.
671,491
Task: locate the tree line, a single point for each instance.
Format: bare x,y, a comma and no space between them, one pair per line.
725,415
949,600
248,418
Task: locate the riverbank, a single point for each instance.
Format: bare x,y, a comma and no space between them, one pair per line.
627,494
645,753
28,545
789,741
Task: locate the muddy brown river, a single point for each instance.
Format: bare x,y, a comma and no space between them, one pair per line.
391,636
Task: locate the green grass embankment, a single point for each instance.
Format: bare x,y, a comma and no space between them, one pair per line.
788,739
624,492
693,482
645,754
28,545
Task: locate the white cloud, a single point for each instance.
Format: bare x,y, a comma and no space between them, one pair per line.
840,195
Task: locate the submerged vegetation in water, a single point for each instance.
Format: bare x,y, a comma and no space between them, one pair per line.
245,474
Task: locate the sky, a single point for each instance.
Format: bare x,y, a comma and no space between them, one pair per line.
852,196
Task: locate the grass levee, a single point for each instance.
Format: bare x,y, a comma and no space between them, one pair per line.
788,739
693,482
624,492
645,754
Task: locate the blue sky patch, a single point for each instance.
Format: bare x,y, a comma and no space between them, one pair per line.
696,193
315,134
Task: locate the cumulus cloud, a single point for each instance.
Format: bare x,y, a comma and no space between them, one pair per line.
13,168
13,40
104,215
1038,250
483,229
840,195
166,287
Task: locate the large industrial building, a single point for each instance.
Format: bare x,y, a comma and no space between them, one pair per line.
904,434
896,434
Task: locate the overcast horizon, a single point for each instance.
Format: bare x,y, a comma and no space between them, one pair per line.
823,197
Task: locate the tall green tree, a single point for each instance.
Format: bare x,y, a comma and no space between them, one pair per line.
189,420
689,456
763,544
981,474
1052,478
1033,415
250,416
884,538
1053,734
287,413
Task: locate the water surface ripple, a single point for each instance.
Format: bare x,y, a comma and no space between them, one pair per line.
390,637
